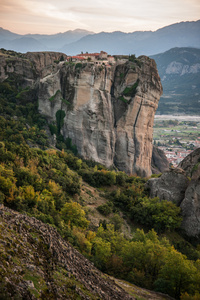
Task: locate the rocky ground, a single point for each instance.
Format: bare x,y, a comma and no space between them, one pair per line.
36,263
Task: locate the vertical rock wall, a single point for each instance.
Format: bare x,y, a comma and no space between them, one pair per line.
109,111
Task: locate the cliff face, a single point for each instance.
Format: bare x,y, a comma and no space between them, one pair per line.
31,66
107,112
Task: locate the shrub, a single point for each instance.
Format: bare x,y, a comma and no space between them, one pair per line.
73,214
105,209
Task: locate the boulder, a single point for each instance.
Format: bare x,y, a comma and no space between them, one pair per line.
159,162
190,208
190,163
170,186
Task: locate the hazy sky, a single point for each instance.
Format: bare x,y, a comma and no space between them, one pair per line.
53,16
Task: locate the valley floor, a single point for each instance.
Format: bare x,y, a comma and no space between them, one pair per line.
177,135
178,117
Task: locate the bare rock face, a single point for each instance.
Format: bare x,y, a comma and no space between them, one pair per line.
45,63
190,208
109,111
159,162
190,163
190,205
140,89
170,186
30,66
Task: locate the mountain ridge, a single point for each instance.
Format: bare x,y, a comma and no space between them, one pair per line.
117,42
139,42
179,70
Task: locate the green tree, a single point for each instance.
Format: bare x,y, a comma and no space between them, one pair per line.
102,251
179,273
73,214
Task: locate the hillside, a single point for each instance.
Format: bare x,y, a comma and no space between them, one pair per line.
184,34
179,69
99,218
36,263
105,214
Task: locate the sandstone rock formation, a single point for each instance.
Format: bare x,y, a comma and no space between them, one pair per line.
190,163
31,66
190,208
182,186
170,186
107,112
190,205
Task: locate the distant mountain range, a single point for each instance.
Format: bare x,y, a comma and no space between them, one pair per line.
184,34
39,42
179,69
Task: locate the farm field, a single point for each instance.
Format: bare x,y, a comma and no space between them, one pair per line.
177,136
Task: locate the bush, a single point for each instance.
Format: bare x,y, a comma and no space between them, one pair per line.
105,209
161,215
73,214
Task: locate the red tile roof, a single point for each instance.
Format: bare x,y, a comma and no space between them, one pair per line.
88,54
78,57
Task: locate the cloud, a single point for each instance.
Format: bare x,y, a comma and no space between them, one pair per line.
50,16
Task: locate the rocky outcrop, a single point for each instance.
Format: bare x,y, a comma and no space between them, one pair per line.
190,164
190,205
36,263
45,62
30,66
107,112
190,208
159,162
182,186
170,186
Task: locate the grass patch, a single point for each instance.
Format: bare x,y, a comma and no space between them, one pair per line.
37,280
131,91
66,102
35,235
55,95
